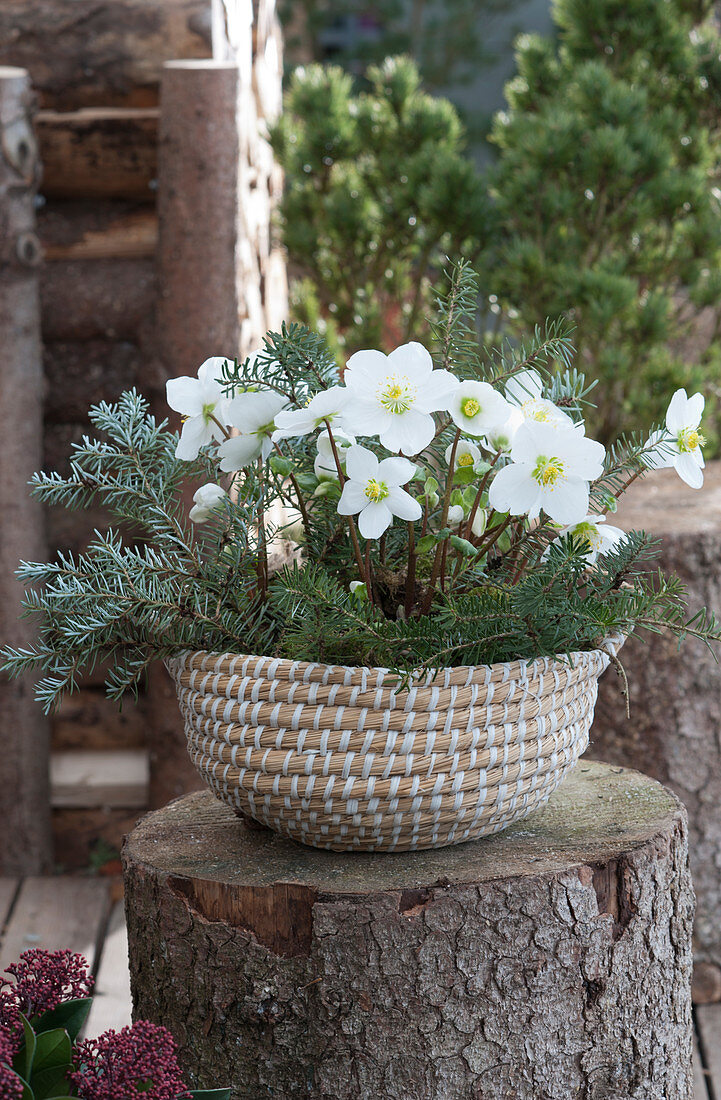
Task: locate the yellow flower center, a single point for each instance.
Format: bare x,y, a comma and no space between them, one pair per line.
465,459
397,395
689,439
470,407
548,471
589,532
376,490
535,410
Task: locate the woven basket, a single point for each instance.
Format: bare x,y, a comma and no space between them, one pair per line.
337,758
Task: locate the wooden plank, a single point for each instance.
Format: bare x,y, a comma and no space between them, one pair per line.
113,779
56,913
89,52
89,837
112,1003
105,230
88,720
8,890
98,153
708,1019
700,1091
97,299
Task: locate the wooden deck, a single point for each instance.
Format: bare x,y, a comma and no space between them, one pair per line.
83,914
86,915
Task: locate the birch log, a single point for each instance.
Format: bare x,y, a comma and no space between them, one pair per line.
24,787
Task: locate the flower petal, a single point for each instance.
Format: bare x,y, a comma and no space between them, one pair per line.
524,386
660,452
413,360
375,518
402,504
396,471
352,499
239,452
361,464
194,435
211,370
365,368
436,391
514,490
256,409
366,417
694,410
677,412
689,470
184,395
408,432
566,502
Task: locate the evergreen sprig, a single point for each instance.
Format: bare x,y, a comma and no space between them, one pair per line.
249,577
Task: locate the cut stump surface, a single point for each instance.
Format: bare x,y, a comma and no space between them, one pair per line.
551,961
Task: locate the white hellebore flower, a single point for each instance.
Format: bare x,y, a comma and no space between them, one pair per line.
393,396
467,454
680,446
373,489
500,439
326,405
600,536
202,403
455,514
253,413
324,465
525,391
205,501
477,408
550,469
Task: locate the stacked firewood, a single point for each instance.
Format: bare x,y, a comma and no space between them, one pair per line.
96,69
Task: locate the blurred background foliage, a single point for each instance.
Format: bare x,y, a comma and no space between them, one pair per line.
602,201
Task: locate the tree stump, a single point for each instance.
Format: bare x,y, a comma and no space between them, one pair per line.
549,962
674,733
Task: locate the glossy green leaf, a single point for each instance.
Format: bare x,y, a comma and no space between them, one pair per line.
71,1015
51,1082
23,1061
53,1048
27,1091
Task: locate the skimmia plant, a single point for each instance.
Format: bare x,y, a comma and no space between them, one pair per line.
43,1009
435,507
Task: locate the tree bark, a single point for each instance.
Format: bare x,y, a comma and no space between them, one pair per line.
199,309
24,785
552,961
675,694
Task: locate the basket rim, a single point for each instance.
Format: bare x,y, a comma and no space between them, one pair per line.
520,667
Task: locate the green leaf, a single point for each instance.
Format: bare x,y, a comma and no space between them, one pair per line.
466,548
27,1091
25,1056
53,1049
424,545
52,1081
281,465
71,1015
464,475
210,1094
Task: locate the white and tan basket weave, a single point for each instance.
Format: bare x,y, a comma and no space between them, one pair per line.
339,758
